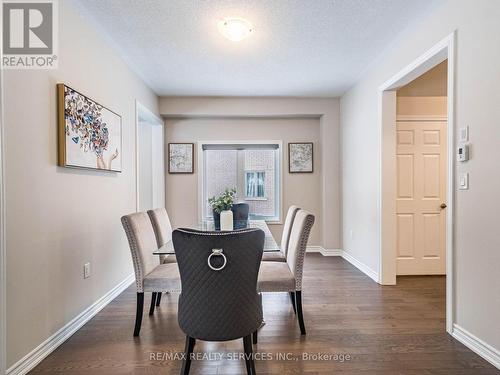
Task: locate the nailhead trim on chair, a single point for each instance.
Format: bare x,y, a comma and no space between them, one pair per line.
302,251
134,247
216,233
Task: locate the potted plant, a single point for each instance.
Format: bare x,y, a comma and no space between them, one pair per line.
221,206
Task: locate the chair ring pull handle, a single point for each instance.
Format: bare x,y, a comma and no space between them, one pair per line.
217,252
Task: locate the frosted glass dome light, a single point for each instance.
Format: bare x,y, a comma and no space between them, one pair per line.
235,28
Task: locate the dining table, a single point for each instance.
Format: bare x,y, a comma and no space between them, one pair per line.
270,244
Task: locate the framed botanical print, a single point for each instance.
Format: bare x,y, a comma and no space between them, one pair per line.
180,158
90,135
300,157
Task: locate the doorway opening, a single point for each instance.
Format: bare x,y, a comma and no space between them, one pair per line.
150,160
421,160
417,162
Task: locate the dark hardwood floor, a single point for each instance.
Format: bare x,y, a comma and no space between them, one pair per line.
384,329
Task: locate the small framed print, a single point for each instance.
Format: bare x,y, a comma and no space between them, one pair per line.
180,158
300,157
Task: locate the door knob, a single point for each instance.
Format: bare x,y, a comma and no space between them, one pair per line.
443,206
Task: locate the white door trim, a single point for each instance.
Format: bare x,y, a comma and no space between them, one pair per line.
443,50
3,246
3,243
153,118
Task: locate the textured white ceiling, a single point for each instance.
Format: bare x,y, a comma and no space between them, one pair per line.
299,47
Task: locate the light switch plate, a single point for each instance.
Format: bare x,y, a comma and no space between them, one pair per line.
463,182
464,134
86,270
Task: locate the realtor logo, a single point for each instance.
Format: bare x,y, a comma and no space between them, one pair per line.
29,34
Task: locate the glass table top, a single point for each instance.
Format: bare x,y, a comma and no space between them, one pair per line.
208,226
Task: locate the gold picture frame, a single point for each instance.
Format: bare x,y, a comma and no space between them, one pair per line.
89,134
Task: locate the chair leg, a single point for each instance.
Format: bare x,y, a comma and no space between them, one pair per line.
188,350
300,315
254,335
152,306
249,362
292,298
158,299
138,314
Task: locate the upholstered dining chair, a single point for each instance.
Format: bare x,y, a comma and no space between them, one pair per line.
219,299
150,275
280,256
163,231
287,277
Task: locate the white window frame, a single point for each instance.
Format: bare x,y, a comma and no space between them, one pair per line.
201,173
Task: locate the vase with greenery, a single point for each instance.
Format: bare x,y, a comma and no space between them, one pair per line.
224,202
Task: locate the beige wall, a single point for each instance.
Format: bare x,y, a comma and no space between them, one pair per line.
432,83
421,105
326,109
58,219
425,95
477,239
302,189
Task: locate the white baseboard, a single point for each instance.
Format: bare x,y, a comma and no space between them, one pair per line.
477,345
331,252
314,249
324,252
361,266
30,360
340,253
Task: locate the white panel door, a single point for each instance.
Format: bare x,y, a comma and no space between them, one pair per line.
420,197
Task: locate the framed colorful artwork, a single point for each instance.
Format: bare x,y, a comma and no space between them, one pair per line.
300,157
180,158
90,135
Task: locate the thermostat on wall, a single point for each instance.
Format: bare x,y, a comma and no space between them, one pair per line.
463,152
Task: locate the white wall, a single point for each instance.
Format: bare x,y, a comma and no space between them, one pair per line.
57,218
477,239
326,109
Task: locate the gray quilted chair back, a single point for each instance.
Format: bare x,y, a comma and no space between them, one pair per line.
142,240
297,245
287,226
219,305
162,227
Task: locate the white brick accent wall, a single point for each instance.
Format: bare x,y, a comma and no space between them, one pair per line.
221,172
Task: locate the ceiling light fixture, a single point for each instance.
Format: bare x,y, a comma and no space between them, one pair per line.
235,28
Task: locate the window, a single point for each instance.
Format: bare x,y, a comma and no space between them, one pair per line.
252,168
254,184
